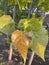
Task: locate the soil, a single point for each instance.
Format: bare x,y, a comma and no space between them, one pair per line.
16,58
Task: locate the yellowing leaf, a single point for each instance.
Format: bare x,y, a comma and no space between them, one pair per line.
21,43
4,21
7,24
41,50
39,42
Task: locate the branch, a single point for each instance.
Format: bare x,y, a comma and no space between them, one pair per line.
31,58
14,12
10,55
30,9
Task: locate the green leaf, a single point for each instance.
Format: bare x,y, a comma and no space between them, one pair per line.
44,4
33,24
21,24
12,2
39,42
7,24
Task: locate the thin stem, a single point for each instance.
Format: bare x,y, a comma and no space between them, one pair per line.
6,7
30,9
10,55
11,51
31,58
32,55
14,12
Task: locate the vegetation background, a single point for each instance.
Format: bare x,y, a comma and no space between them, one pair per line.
18,10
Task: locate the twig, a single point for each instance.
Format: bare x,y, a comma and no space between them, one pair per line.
31,58
11,50
10,55
30,9
14,12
